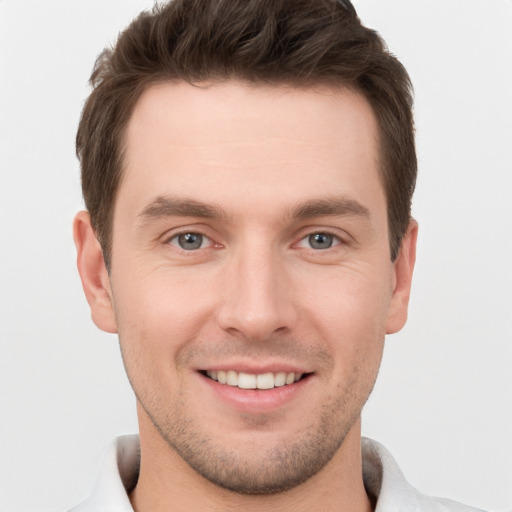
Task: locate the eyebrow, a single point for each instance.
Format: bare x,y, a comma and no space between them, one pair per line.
166,206
329,207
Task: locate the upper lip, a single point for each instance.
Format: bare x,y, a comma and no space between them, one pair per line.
255,368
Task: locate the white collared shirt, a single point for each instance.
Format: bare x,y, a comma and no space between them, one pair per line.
382,478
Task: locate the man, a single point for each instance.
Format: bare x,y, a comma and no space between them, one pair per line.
248,169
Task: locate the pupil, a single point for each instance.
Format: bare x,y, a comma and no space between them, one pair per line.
320,241
190,241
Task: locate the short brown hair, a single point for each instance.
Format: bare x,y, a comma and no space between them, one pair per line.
296,42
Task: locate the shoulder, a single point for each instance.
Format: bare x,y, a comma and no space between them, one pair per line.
385,482
117,477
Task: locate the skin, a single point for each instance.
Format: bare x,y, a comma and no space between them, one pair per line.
256,171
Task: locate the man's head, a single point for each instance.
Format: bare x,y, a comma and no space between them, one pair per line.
295,43
248,210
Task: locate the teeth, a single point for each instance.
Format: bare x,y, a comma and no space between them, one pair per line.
246,381
279,379
250,381
232,378
265,381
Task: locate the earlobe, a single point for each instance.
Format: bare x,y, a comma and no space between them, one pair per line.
403,270
93,273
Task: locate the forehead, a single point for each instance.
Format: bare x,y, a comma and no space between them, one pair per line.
211,112
214,141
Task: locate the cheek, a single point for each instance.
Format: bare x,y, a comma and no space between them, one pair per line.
350,300
158,314
161,301
351,317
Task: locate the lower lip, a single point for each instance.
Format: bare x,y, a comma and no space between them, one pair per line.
257,400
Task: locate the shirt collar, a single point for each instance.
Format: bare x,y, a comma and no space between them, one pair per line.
382,477
117,477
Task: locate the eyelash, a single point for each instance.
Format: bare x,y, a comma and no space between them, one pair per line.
204,239
174,240
336,239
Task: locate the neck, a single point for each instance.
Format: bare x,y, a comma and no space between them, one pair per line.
167,481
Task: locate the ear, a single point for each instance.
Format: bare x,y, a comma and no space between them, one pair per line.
403,268
93,273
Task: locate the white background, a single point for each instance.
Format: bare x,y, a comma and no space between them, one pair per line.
443,404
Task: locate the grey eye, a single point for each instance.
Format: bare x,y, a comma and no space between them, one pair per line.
189,241
321,240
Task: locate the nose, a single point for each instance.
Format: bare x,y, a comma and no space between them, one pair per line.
257,300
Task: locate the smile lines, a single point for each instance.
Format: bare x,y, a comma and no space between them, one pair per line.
251,381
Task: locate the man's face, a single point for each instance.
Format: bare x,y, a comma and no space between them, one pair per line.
250,243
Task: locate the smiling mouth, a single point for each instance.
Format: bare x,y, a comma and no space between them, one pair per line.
254,381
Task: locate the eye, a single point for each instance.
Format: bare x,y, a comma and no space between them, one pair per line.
320,241
190,241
